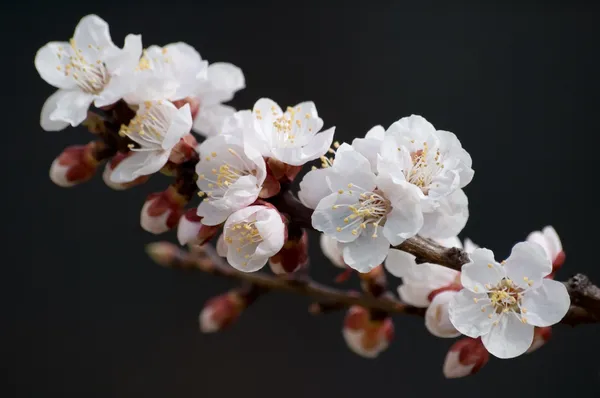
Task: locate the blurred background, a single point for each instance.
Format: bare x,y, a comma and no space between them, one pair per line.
87,314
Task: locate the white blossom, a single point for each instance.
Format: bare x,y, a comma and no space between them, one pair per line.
549,240
437,320
252,235
292,137
222,82
229,175
156,128
172,72
503,302
87,69
365,212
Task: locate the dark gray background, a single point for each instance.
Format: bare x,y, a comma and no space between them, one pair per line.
86,314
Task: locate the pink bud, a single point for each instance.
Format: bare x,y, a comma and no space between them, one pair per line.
191,230
540,337
76,164
110,166
292,257
162,211
364,336
465,358
221,312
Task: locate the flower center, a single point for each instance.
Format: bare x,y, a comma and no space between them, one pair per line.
371,209
242,235
148,128
286,125
227,173
504,298
91,76
425,166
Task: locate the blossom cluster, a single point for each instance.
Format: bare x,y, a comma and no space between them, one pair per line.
367,198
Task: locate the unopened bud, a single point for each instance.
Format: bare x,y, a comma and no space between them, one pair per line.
465,358
221,312
162,210
163,253
374,282
270,187
332,251
110,166
540,337
190,229
76,164
364,336
437,320
292,257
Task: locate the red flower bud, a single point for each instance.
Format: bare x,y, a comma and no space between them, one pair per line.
221,312
465,358
76,164
162,210
281,171
184,150
110,166
292,257
190,229
540,337
365,336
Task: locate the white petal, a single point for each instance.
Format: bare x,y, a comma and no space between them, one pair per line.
181,123
272,231
480,271
212,213
452,241
316,147
187,230
449,218
209,120
399,263
437,320
411,127
466,315
420,280
553,240
350,167
313,187
49,108
226,77
92,31
139,164
417,295
547,304
453,368
328,219
117,88
221,246
406,218
72,107
50,64
370,145
393,160
509,338
527,265
366,252
123,62
470,246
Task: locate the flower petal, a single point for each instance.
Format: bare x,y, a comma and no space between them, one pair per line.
399,263
72,107
317,146
50,62
92,31
210,119
181,123
139,164
226,77
449,218
509,338
313,187
350,167
480,271
366,252
328,219
547,304
466,315
437,320
49,108
527,265
123,62
406,218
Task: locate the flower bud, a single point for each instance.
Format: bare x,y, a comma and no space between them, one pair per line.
540,337
465,358
332,251
162,210
282,172
190,229
76,164
221,312
365,336
293,255
437,320
110,166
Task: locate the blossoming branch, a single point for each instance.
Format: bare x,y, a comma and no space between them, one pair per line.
391,203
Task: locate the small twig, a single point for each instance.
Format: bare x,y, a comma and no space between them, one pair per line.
170,255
